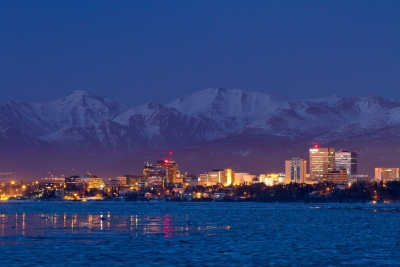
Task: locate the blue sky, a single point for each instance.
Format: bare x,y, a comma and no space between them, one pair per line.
140,51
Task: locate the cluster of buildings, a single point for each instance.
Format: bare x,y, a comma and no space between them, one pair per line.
328,165
163,174
324,165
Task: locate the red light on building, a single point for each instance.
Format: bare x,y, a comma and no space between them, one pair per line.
316,145
165,161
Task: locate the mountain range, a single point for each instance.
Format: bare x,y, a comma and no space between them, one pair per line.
213,128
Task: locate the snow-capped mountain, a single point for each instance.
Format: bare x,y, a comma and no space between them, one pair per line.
237,111
236,122
76,110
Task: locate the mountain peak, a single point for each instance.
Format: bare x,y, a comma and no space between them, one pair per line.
328,99
80,92
223,102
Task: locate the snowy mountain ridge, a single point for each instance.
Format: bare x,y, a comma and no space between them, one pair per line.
208,115
216,125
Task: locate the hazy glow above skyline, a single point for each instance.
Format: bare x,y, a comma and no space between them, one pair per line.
140,51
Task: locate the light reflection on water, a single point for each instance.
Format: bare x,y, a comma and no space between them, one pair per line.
198,234
53,224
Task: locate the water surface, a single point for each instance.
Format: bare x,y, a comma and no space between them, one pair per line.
198,234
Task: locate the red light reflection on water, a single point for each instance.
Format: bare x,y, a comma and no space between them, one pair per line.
167,227
89,227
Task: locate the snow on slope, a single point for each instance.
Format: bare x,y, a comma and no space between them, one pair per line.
82,119
80,109
367,125
221,102
237,111
76,110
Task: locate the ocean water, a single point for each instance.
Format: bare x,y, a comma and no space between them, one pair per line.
198,234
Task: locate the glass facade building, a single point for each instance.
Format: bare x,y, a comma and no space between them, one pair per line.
156,177
346,160
171,168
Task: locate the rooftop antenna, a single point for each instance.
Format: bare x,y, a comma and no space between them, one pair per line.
170,156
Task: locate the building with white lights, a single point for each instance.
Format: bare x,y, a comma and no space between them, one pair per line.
322,160
295,170
346,160
218,176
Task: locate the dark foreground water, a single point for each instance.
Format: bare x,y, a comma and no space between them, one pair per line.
198,234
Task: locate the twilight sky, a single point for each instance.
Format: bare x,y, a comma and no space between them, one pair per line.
140,51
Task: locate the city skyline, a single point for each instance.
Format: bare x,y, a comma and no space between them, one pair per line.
84,132
323,163
211,133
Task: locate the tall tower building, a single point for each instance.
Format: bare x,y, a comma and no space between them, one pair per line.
322,160
171,168
295,170
146,168
346,160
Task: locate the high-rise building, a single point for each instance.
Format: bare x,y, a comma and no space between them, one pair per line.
322,160
146,168
156,177
387,174
295,170
171,168
346,160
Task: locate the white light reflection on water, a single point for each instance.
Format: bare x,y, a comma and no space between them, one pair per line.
47,224
198,234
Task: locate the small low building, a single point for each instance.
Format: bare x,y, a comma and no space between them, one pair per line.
335,176
359,178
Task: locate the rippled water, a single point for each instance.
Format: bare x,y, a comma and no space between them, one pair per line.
198,234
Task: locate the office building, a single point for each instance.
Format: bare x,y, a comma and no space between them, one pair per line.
191,180
156,177
271,179
91,181
70,182
322,160
218,176
111,183
88,181
243,177
387,174
346,160
336,176
359,178
146,168
295,170
171,168
129,180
